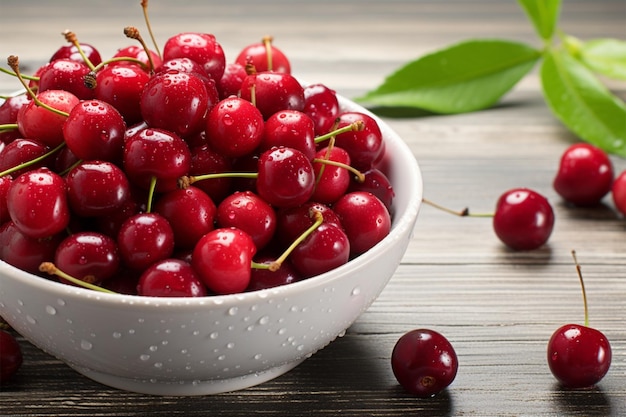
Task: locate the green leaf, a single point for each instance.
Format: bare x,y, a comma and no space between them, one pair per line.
583,103
605,56
544,14
465,77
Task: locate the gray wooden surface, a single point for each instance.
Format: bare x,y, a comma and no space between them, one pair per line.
496,306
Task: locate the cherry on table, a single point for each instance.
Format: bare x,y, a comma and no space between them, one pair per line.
11,357
618,193
424,362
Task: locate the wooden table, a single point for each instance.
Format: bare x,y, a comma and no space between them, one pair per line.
496,306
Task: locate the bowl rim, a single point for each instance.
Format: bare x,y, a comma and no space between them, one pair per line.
399,228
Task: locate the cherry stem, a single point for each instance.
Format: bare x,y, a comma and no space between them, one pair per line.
352,127
144,6
273,266
463,213
151,189
267,42
71,38
32,161
187,180
329,148
14,62
359,175
582,285
26,77
51,269
133,33
8,126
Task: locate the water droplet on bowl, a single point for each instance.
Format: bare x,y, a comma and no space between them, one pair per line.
144,357
214,335
86,345
117,335
51,310
233,311
356,291
31,320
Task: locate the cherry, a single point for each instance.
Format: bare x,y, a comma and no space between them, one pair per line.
156,153
11,357
585,175
176,101
272,92
263,278
190,212
5,184
377,183
24,252
182,64
223,259
97,188
248,212
326,248
170,278
364,218
37,203
523,219
365,145
71,52
121,86
230,83
579,356
66,74
136,52
37,122
332,181
234,127
22,151
200,47
290,128
424,362
88,256
8,115
205,160
285,177
322,106
291,222
618,192
264,56
144,239
95,129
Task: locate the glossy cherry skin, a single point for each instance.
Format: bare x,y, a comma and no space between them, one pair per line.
95,129
257,55
176,101
234,127
11,357
170,278
223,260
66,74
71,52
23,252
424,362
365,146
144,239
285,177
230,83
200,47
37,203
39,123
332,181
364,218
377,183
290,128
137,52
248,212
20,151
523,219
273,91
322,106
205,160
261,279
121,86
325,249
585,175
156,153
89,256
9,109
5,184
618,193
97,188
578,356
190,212
293,221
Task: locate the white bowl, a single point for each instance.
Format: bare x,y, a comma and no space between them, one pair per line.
199,346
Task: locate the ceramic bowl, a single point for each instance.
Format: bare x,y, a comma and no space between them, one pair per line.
199,346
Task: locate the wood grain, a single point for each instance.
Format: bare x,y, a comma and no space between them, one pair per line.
498,307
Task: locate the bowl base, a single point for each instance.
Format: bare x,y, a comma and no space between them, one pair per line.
187,387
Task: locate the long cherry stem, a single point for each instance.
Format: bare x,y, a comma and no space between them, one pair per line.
144,6
582,286
71,38
267,42
51,269
32,161
352,127
187,180
463,213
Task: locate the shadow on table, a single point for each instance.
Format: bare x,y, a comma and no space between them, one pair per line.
587,402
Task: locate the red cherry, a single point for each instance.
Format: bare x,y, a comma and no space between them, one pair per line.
95,129
292,129
377,183
424,362
523,219
293,221
364,146
9,109
121,86
273,91
230,83
137,52
285,177
257,54
66,74
332,181
11,357
144,239
23,252
200,47
37,203
322,106
261,278
365,220
205,160
20,151
71,52
170,278
223,259
325,249
5,183
89,256
578,356
585,175
618,192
